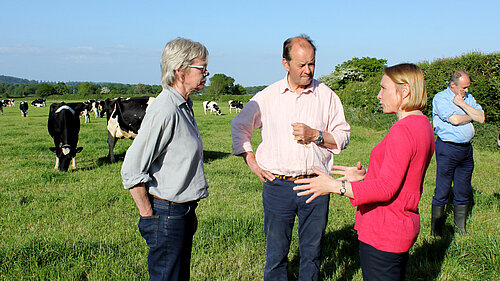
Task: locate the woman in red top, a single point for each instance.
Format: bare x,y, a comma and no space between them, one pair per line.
387,195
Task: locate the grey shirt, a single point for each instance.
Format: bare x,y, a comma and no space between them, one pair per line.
167,154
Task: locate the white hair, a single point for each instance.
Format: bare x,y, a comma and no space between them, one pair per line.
177,53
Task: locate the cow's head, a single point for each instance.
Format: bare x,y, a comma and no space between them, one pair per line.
217,109
64,153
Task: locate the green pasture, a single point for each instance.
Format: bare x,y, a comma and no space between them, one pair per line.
82,225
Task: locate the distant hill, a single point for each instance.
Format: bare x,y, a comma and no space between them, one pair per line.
15,80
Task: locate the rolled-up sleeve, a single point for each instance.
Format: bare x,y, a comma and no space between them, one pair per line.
242,127
338,127
154,135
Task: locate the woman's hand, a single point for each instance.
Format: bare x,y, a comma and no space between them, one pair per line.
351,174
321,185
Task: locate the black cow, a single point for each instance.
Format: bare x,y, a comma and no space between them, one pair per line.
38,103
64,126
124,119
1,107
236,104
211,106
23,106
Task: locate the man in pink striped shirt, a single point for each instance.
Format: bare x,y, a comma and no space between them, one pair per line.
302,124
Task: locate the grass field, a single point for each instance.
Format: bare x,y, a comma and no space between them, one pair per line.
82,225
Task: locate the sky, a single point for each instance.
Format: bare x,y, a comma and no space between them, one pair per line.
122,41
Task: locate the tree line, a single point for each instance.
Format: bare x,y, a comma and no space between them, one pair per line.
356,81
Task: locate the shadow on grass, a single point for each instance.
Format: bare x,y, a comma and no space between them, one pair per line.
426,261
340,255
208,155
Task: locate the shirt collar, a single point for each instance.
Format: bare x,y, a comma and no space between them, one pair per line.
284,87
453,94
177,98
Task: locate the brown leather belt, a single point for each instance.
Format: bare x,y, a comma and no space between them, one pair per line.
293,178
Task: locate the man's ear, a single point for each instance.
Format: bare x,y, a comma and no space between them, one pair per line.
286,65
452,84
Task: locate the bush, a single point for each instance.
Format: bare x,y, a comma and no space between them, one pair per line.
484,72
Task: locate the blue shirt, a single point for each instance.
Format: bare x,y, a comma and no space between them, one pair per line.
167,154
442,108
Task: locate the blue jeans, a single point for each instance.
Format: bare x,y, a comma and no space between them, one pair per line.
169,236
455,163
281,204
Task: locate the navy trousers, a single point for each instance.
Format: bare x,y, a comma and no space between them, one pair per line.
455,164
281,205
378,265
169,235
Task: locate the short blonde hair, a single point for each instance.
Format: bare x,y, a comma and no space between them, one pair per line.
179,52
411,74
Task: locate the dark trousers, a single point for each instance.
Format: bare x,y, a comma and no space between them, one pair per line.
169,235
455,164
378,265
281,205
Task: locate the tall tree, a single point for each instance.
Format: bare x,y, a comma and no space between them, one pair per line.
220,84
355,69
86,89
45,90
61,88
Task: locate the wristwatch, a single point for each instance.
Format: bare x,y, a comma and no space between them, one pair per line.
342,189
319,140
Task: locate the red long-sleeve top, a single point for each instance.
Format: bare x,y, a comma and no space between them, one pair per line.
387,216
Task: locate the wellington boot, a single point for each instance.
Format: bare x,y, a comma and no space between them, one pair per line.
437,220
461,217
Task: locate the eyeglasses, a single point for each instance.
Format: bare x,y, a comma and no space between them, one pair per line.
203,68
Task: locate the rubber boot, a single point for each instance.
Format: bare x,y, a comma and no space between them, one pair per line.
461,217
437,220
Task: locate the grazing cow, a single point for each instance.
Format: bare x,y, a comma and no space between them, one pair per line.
236,104
38,103
1,107
211,106
64,126
124,119
85,113
23,106
95,107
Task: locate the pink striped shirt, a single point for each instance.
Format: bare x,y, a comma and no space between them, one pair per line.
273,110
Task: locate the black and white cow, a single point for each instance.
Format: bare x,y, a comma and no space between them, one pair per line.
95,107
124,119
38,103
8,102
64,126
212,107
235,104
23,106
85,113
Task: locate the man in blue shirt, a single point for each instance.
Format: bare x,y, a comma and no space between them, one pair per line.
453,111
